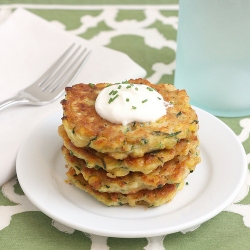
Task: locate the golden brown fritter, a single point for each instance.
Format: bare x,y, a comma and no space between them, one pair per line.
149,198
115,168
173,171
86,128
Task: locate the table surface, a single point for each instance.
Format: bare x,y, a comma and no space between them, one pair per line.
154,48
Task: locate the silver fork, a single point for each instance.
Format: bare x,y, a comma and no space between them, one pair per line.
52,83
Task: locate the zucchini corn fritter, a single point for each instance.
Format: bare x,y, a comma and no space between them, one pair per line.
86,128
142,163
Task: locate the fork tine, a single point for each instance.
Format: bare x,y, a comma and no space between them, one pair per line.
34,95
72,70
43,78
60,68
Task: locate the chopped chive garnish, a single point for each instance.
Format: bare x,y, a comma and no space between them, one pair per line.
113,92
119,86
127,99
133,107
159,98
112,99
108,85
144,100
115,97
150,89
128,87
136,88
92,85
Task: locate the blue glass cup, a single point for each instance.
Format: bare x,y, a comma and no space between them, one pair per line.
213,55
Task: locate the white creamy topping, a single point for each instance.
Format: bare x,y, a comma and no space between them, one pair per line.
124,103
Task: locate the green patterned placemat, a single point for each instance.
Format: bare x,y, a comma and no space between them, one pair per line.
148,35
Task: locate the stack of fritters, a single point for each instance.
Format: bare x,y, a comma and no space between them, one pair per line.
140,163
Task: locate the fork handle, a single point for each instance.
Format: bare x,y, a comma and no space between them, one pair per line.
13,101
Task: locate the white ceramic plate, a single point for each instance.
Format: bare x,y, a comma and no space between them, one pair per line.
212,186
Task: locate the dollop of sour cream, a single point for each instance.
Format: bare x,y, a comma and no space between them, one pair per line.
123,103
